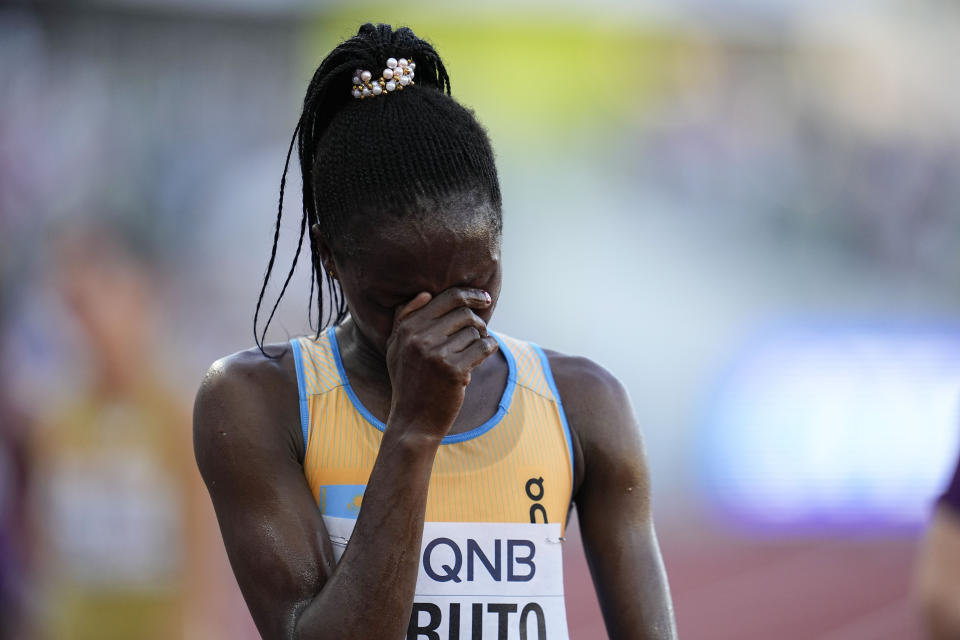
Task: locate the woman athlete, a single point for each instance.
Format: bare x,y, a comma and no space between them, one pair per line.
464,448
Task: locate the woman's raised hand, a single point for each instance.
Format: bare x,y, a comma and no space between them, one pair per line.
435,343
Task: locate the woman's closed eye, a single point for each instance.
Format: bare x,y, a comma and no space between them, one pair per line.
393,300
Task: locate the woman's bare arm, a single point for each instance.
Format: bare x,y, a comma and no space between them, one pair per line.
937,580
245,424
613,502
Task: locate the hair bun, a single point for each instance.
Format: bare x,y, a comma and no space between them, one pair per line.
376,43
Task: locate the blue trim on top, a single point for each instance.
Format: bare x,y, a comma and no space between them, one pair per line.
302,391
502,408
335,348
548,373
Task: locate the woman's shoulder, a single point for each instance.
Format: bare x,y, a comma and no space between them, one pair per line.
585,385
577,377
251,371
598,412
248,394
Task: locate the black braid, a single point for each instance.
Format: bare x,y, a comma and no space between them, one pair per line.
384,155
273,250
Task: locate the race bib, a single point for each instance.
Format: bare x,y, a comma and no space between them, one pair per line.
483,581
114,519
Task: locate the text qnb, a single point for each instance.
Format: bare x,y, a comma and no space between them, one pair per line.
445,561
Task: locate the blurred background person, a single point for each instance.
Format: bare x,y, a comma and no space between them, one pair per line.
120,552
15,550
15,431
937,576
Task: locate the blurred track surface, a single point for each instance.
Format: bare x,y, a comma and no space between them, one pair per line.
738,588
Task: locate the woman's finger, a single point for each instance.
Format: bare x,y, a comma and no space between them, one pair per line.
419,301
478,351
460,318
462,339
455,297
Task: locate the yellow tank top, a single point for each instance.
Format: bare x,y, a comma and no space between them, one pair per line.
115,517
497,503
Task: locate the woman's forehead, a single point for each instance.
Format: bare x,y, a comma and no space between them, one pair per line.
428,229
464,213
470,227
425,250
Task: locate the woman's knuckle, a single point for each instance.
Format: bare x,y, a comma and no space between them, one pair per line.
419,344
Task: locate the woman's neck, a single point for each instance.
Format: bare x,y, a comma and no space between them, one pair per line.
361,356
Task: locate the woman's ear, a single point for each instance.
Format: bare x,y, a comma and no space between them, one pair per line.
323,250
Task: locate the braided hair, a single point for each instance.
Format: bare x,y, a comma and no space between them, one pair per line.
386,155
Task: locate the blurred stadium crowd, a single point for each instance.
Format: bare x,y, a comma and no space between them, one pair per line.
747,210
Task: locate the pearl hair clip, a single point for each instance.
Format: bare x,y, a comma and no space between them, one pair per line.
397,75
